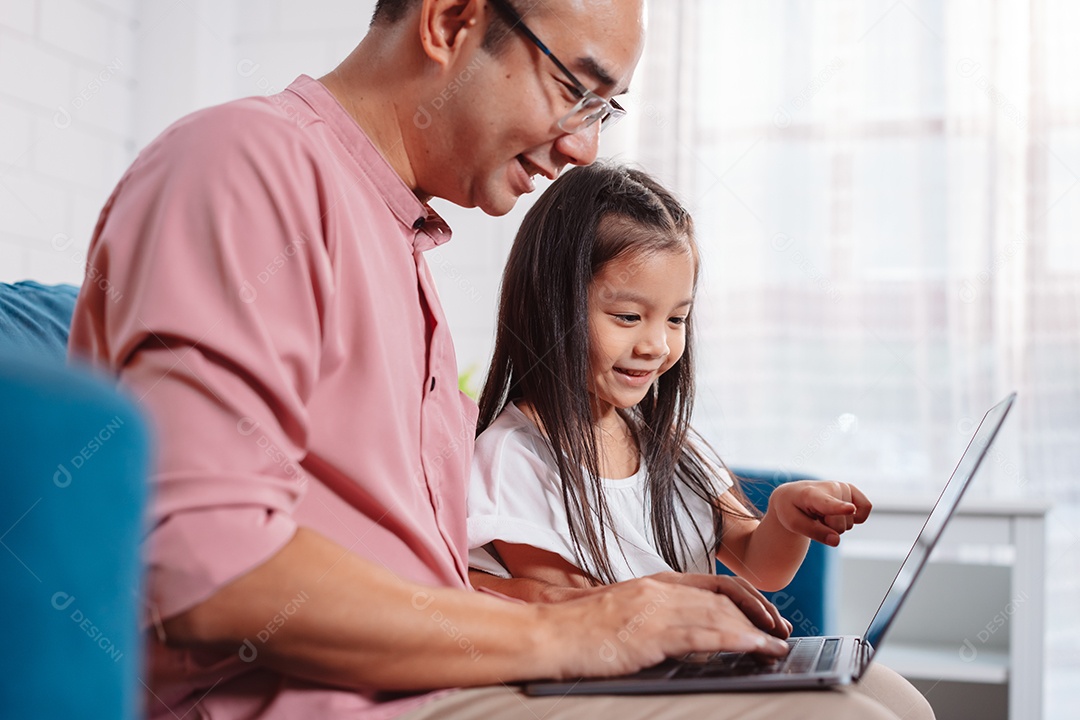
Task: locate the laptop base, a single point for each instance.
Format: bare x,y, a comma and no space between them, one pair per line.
725,672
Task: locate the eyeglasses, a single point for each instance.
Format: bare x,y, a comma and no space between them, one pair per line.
590,107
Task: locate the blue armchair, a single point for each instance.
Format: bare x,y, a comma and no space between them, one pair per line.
75,463
807,601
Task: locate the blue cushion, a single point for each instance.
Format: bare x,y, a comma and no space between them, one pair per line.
75,463
35,318
71,502
807,601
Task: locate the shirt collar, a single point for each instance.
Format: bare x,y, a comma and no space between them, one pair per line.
421,222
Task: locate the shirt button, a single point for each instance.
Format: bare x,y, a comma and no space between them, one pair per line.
419,223
432,382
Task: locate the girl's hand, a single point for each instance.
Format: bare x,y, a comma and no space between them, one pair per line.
817,509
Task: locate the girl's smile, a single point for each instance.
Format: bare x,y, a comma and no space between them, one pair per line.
636,378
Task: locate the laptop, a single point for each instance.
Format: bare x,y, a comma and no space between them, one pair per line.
811,661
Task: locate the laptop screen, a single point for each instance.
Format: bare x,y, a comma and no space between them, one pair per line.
935,524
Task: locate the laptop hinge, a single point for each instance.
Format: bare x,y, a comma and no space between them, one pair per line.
863,657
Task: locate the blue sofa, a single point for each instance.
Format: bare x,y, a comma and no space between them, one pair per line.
77,452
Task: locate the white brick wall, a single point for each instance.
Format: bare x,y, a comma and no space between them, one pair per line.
76,28
85,83
67,84
19,15
278,40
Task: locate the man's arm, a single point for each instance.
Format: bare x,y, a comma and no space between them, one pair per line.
362,627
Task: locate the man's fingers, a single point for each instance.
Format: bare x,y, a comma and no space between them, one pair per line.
762,645
694,617
748,599
731,615
754,605
736,631
760,612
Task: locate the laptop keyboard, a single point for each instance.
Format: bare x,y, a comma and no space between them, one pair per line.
805,655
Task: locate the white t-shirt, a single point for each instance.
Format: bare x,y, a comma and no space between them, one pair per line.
515,495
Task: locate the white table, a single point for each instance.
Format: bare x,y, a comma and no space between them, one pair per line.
971,634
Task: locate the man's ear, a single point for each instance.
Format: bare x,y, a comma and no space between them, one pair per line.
447,26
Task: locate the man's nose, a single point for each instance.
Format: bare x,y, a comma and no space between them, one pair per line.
582,147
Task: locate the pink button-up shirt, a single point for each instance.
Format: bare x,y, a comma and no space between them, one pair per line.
257,281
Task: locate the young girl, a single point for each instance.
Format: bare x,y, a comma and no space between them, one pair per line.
586,470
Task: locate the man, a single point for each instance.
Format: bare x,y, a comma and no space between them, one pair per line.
306,553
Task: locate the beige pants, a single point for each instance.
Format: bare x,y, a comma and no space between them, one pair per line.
881,694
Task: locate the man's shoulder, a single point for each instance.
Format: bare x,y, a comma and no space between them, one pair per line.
237,123
247,141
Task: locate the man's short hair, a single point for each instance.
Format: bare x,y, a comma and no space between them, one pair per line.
388,12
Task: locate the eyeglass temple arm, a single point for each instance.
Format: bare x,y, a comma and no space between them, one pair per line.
519,23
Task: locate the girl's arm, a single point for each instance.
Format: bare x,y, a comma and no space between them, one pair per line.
768,552
545,577
538,575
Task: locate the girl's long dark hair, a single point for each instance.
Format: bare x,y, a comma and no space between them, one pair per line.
587,218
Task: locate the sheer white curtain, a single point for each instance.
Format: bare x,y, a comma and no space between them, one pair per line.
886,196
888,199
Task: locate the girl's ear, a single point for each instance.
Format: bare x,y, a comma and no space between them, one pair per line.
446,26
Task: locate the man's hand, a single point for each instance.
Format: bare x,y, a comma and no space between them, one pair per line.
638,623
746,597
819,510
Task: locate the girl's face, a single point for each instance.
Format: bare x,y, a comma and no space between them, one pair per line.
638,305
